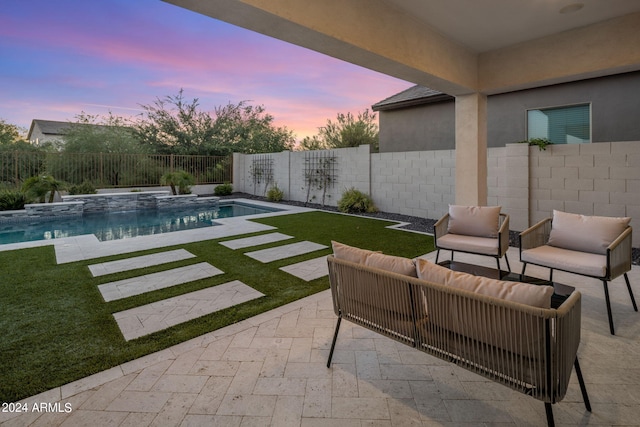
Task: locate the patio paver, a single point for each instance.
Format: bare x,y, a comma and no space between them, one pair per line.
151,282
160,315
134,263
285,251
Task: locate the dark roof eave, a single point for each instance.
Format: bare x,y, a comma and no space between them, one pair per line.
443,97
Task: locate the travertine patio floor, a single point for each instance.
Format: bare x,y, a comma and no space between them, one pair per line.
271,370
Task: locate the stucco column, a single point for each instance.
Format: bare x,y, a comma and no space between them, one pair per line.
471,149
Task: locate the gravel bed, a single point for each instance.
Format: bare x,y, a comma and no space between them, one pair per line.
413,223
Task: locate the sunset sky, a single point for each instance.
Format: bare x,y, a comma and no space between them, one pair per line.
60,58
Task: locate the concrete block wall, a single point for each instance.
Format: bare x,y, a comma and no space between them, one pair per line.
508,182
590,179
416,183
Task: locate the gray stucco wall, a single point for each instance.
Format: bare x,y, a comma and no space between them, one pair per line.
430,126
615,110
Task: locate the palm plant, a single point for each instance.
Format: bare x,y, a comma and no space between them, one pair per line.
37,187
180,179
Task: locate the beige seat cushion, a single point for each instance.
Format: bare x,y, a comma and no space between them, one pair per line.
479,221
473,244
585,263
585,233
350,253
523,293
392,263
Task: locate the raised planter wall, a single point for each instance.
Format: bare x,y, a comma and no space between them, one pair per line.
77,205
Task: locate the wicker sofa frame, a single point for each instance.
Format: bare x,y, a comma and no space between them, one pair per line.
618,259
530,350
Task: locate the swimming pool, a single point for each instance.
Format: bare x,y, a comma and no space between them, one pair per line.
123,225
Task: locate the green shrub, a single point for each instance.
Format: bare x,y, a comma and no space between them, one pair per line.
355,201
223,190
275,194
85,188
11,200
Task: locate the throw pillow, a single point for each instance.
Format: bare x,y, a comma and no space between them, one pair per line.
478,221
584,233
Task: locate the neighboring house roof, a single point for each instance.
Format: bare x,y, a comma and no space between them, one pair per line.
416,95
52,128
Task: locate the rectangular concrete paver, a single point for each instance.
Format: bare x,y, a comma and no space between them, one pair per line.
111,267
308,270
247,242
151,282
160,315
285,251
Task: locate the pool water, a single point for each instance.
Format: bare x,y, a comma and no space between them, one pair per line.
123,225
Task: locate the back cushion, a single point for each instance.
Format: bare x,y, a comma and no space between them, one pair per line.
479,221
585,233
523,293
350,253
392,263
521,334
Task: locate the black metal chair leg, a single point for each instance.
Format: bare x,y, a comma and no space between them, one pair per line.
333,344
498,262
633,300
583,389
451,255
524,267
549,411
606,297
551,275
506,258
437,255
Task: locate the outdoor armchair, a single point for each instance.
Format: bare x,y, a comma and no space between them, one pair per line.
592,246
480,230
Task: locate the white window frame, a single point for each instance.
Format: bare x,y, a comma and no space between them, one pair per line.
551,107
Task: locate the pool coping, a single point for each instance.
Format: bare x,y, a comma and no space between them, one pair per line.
87,246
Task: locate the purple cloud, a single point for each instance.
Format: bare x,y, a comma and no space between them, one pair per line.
61,58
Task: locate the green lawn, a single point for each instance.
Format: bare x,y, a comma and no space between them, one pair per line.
56,328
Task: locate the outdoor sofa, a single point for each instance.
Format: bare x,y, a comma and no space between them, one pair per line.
592,246
504,331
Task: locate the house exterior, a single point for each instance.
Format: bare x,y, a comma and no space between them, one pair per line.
42,131
590,110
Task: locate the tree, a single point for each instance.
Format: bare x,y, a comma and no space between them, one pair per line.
11,134
174,126
100,134
313,143
350,131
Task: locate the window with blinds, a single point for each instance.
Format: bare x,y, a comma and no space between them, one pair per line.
561,125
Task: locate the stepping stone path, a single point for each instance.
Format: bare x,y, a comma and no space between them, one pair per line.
286,251
154,317
161,280
255,240
306,270
144,320
105,268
